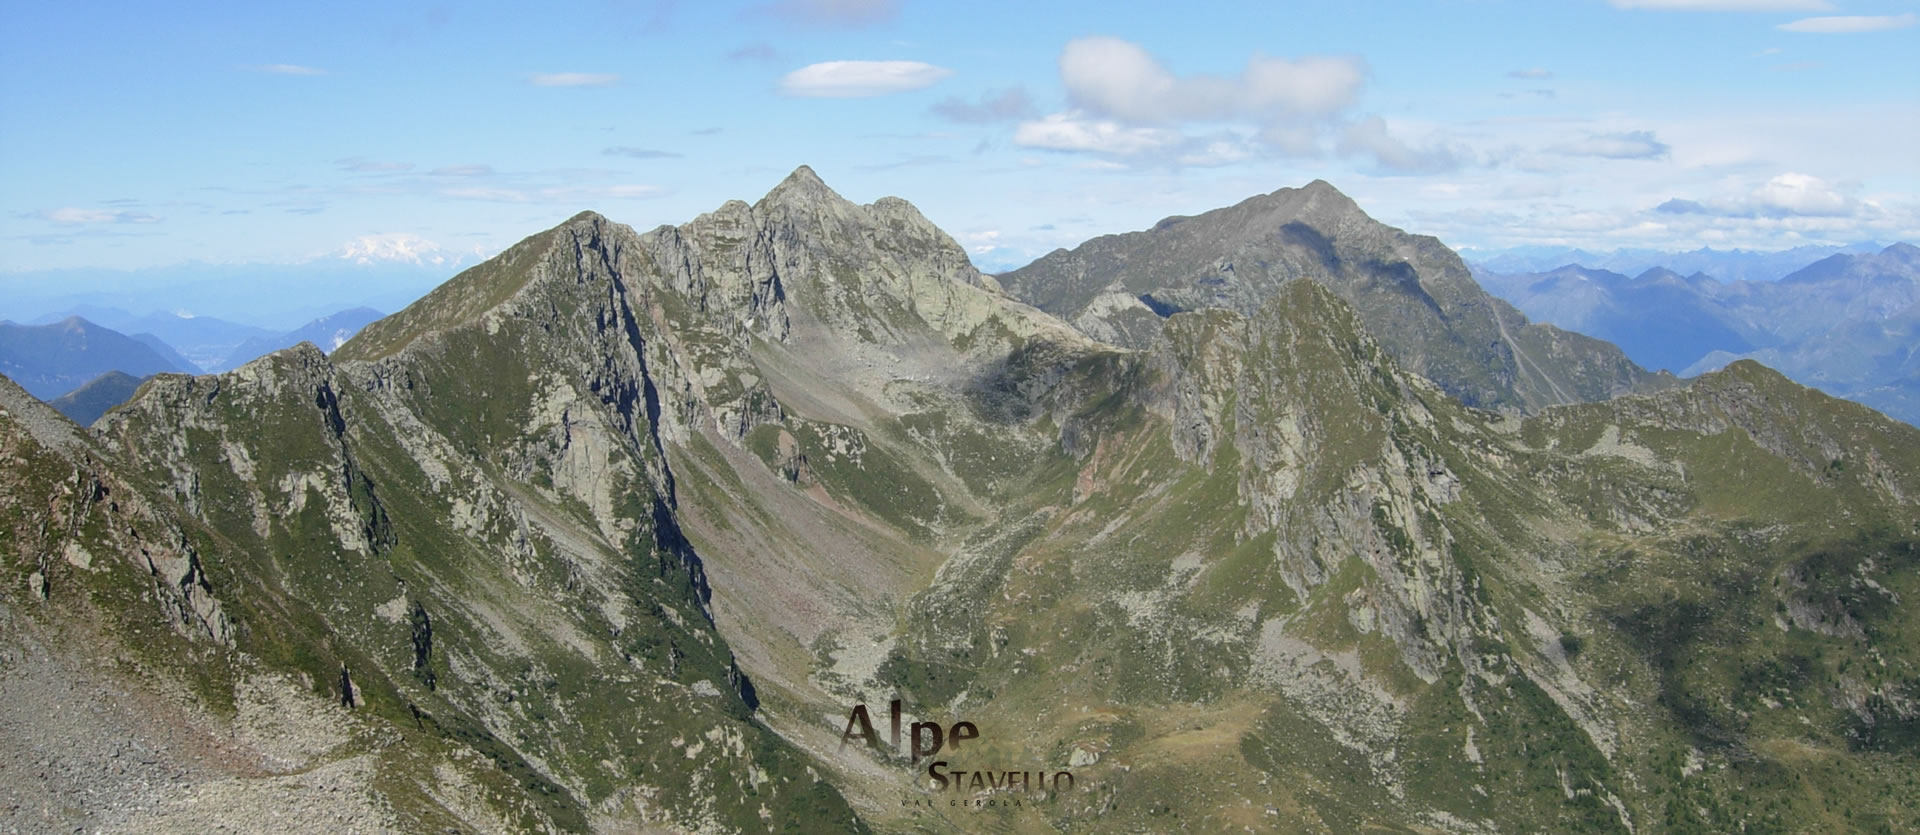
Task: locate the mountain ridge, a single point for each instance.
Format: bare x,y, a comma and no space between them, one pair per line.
1413,291
617,526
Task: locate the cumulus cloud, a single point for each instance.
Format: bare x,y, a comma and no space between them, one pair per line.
860,79
851,13
638,153
1639,144
1076,131
1803,194
1127,104
1371,137
72,216
1003,106
1849,24
574,79
1725,5
1118,79
1789,195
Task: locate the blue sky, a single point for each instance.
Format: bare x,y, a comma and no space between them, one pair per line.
145,135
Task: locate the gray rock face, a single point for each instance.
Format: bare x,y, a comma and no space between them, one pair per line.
1410,290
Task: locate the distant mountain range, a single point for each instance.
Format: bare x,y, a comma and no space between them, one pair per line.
1724,264
271,297
93,398
84,368
327,332
1848,324
200,344
204,341
52,359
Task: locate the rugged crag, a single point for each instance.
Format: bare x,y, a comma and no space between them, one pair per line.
612,530
1416,295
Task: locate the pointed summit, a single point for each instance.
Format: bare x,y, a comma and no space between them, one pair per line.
1318,194
1414,294
802,187
1321,187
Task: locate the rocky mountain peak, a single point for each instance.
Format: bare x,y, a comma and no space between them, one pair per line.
801,188
1322,196
1411,290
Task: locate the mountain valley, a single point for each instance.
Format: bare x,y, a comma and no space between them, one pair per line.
1267,519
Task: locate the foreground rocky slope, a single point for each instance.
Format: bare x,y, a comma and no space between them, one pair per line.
613,530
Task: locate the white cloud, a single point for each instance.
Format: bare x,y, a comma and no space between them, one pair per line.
73,216
574,79
1292,138
1639,144
1725,5
1127,104
1075,131
1118,79
287,69
1789,195
1804,195
860,79
1849,24
1372,137
1535,72
982,241
392,246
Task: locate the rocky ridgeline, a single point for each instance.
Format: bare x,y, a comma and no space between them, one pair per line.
609,531
1413,293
